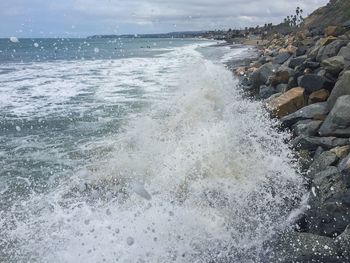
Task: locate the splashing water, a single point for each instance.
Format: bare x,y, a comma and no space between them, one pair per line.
201,176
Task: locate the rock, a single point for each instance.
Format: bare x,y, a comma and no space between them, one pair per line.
261,75
334,65
341,88
287,103
341,152
240,71
337,122
312,143
345,53
266,92
281,58
330,212
326,41
294,62
317,111
330,50
343,243
303,247
311,82
282,88
344,165
327,183
279,77
322,162
301,51
318,96
312,64
334,31
306,127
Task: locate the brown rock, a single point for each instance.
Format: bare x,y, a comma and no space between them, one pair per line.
287,103
334,31
341,151
240,71
318,96
280,77
327,41
307,71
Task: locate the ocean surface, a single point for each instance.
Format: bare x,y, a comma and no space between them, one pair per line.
136,150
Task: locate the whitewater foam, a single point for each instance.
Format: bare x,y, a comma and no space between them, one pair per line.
200,176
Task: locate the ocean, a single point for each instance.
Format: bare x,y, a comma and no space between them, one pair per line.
137,150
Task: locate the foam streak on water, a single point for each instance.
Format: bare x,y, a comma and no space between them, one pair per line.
199,177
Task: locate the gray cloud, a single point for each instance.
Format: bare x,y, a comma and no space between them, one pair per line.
83,17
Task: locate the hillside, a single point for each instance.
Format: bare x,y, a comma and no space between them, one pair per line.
336,12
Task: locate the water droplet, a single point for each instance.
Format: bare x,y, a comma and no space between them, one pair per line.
14,39
18,128
96,50
36,45
130,241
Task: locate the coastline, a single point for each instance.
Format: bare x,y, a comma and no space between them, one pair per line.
303,79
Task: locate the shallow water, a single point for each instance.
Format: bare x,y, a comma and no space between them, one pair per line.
152,158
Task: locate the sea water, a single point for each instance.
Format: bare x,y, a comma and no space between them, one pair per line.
136,150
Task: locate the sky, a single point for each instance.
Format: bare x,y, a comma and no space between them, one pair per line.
80,18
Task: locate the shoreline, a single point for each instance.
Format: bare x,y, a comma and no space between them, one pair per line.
304,82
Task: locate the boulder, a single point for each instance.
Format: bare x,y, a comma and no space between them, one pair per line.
261,75
306,127
326,41
322,162
282,88
318,96
303,247
334,31
330,177
266,92
294,62
337,122
287,103
281,58
341,151
311,82
341,88
330,50
334,65
330,212
344,165
301,50
279,77
317,111
343,243
312,64
345,53
311,144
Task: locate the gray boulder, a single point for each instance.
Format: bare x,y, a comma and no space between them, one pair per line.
281,58
343,243
306,127
345,164
266,92
345,53
322,162
337,122
304,247
311,82
334,65
329,217
342,87
294,62
330,50
316,111
261,76
313,143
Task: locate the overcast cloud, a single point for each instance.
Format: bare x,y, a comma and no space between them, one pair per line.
35,18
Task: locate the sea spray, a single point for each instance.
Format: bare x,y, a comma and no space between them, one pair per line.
201,176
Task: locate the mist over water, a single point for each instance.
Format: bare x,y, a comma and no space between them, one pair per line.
140,159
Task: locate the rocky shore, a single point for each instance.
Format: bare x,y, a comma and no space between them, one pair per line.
303,78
